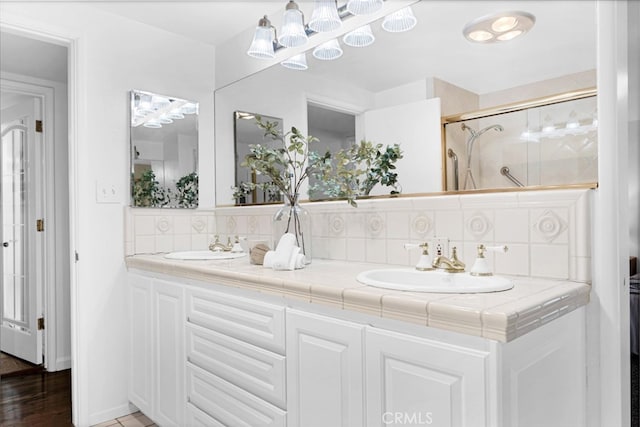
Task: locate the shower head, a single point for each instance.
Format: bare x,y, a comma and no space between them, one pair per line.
498,128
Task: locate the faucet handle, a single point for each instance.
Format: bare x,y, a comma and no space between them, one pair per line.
424,262
480,266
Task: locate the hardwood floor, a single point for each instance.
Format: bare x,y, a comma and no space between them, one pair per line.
36,400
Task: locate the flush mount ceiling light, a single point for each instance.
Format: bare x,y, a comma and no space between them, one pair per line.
325,16
360,37
328,50
262,44
499,27
400,21
364,7
292,33
297,62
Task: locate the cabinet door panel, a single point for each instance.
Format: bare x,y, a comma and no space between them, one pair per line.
413,381
256,322
256,370
169,353
140,359
324,371
230,405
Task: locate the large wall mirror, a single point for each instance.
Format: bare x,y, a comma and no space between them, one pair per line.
400,87
164,151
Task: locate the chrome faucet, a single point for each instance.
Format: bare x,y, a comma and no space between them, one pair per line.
450,265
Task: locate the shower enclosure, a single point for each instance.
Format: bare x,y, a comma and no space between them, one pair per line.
544,142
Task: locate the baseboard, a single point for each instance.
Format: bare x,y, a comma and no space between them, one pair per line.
112,414
61,364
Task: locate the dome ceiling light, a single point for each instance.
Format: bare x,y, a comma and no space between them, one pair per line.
499,27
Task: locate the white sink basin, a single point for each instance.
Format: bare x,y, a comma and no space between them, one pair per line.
204,255
405,279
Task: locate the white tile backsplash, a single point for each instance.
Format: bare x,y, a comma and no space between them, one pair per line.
548,232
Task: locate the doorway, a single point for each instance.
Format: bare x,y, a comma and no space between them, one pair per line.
21,216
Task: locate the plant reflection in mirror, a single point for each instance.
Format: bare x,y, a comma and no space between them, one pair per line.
354,171
147,192
187,191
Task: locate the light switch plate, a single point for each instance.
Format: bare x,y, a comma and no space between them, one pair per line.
106,192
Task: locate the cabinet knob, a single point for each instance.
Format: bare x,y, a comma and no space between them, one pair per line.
5,244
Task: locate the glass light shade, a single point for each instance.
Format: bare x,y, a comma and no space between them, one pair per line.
292,33
402,20
153,124
165,120
364,7
262,44
325,16
175,114
360,37
297,62
328,50
573,122
480,36
504,23
189,108
509,36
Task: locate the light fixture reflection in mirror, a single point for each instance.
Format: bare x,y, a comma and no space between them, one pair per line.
164,151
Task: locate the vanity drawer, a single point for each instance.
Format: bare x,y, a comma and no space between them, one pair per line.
255,322
252,368
228,404
198,418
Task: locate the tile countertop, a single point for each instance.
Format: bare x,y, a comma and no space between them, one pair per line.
501,316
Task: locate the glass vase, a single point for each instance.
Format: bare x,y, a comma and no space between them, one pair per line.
294,219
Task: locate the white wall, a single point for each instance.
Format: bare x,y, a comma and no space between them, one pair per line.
634,127
112,58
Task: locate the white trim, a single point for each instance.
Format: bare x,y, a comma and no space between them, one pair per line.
35,30
610,293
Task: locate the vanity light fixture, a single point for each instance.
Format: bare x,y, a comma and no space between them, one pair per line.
263,39
359,37
364,7
297,62
573,122
499,27
325,16
292,33
328,51
400,21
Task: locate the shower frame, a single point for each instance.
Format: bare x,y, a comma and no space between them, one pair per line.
504,109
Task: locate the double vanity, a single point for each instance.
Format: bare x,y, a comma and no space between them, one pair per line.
226,343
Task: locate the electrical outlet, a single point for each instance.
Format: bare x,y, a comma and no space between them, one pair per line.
439,246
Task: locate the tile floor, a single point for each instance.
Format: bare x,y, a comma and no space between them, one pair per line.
137,419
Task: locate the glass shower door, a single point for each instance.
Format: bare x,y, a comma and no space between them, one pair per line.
19,334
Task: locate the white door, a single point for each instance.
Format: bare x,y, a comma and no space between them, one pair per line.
324,371
21,171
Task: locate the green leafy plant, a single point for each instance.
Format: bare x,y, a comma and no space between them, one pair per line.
187,191
147,191
287,165
353,172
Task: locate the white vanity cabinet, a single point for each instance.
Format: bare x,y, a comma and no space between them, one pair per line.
235,360
157,368
415,381
324,371
209,355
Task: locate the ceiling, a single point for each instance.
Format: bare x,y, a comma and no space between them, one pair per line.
562,39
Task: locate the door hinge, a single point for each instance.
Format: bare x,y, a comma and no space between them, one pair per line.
40,323
39,126
40,225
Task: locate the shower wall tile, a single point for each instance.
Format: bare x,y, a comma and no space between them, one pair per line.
548,232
